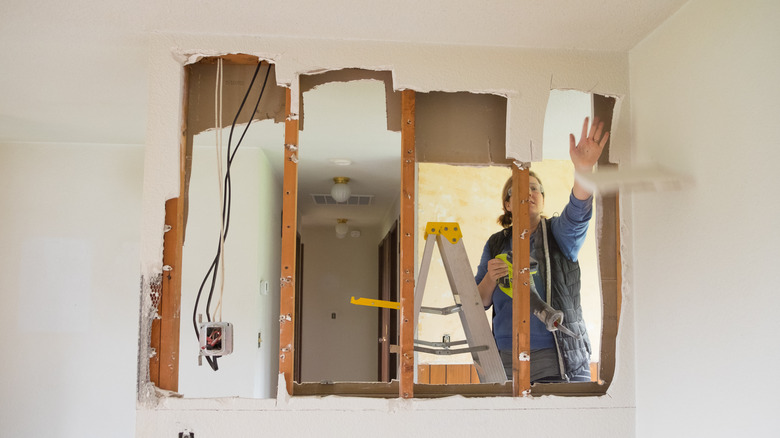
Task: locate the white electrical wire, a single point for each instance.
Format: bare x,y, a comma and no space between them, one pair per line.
217,316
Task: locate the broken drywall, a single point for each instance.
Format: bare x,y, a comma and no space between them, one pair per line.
392,97
524,77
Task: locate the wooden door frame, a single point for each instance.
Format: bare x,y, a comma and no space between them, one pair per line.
387,368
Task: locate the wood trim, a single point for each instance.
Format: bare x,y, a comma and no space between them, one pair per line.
459,373
521,289
474,375
438,375
408,166
289,229
424,373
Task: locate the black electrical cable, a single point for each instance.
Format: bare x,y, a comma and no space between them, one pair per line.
228,194
225,211
227,197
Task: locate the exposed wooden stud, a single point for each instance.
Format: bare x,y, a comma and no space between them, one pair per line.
521,286
408,166
170,299
289,228
618,262
609,253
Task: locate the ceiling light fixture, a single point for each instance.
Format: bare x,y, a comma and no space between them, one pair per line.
340,191
341,161
341,228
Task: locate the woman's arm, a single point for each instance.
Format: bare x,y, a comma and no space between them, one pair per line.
495,269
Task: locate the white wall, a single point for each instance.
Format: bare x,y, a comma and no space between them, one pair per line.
524,77
252,253
706,103
69,246
334,270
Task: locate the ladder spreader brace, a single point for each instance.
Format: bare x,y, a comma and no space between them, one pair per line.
469,307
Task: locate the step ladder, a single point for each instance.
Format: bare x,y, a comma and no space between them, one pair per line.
468,304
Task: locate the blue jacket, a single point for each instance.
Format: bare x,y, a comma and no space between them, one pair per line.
566,234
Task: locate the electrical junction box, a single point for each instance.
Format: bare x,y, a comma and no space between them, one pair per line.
216,338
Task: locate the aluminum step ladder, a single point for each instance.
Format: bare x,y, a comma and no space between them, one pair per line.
468,303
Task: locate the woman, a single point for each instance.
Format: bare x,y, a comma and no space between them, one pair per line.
555,243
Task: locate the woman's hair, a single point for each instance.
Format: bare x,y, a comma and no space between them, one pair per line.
505,220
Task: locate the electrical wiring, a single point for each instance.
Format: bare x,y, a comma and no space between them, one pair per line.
226,198
218,123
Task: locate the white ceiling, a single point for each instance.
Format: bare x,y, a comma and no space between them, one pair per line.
76,71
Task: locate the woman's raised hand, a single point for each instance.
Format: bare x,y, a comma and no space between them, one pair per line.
586,153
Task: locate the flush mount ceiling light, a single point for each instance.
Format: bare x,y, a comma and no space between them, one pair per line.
341,228
340,190
341,161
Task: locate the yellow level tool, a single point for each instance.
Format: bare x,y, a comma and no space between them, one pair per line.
375,303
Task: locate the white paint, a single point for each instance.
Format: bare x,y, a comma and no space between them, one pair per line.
706,102
344,348
705,95
55,285
254,223
566,109
69,281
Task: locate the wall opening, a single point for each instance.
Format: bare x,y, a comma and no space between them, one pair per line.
436,143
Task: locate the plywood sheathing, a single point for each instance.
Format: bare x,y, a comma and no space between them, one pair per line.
392,98
461,128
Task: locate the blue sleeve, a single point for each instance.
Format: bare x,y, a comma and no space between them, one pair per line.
483,261
570,228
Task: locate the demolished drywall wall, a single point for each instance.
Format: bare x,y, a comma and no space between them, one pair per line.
523,77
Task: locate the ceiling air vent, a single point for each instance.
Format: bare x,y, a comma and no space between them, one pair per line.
353,200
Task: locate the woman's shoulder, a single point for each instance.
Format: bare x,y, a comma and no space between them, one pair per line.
496,241
501,234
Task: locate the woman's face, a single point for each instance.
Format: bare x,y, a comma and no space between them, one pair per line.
535,198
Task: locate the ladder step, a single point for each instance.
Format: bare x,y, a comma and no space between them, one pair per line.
441,310
447,352
443,344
